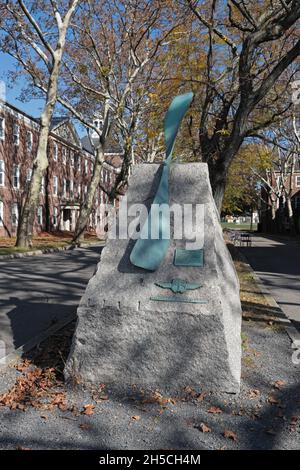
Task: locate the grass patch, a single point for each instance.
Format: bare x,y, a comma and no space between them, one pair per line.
244,339
255,305
239,226
43,241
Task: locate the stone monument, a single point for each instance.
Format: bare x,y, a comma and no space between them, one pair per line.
170,324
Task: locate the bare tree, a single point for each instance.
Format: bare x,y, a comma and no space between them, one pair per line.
108,68
278,180
37,42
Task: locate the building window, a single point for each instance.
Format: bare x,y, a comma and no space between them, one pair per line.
297,202
64,187
2,128
278,181
98,123
71,159
43,185
40,215
64,156
29,140
1,213
105,174
14,214
55,185
85,189
85,167
71,188
16,177
2,173
16,134
298,181
28,175
78,164
55,216
55,151
79,189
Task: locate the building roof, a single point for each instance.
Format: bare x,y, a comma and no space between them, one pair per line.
111,146
86,144
57,121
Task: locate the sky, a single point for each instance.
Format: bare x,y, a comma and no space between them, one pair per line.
33,107
12,92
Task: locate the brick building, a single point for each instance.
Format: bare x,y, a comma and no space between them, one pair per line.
275,220
71,163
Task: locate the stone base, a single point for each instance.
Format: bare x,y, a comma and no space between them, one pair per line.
123,337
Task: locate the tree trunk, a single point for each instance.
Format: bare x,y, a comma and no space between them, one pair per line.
122,178
291,215
251,221
219,162
26,222
87,205
47,203
27,216
218,178
273,217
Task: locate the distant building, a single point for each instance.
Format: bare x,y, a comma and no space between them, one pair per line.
71,164
276,219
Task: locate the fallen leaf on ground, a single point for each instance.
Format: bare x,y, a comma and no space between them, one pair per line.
214,410
294,420
136,418
230,435
158,398
190,391
254,394
202,396
203,427
273,400
279,383
23,366
32,388
88,410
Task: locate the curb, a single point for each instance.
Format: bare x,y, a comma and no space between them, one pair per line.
11,358
291,331
47,251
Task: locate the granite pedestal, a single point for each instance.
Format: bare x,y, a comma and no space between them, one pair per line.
124,337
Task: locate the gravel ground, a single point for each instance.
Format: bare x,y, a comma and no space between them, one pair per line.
262,416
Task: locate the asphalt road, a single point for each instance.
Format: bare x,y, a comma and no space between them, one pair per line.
277,263
38,291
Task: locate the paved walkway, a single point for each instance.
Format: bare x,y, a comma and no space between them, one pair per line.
36,292
277,263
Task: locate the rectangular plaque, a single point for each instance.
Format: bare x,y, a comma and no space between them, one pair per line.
179,300
188,257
